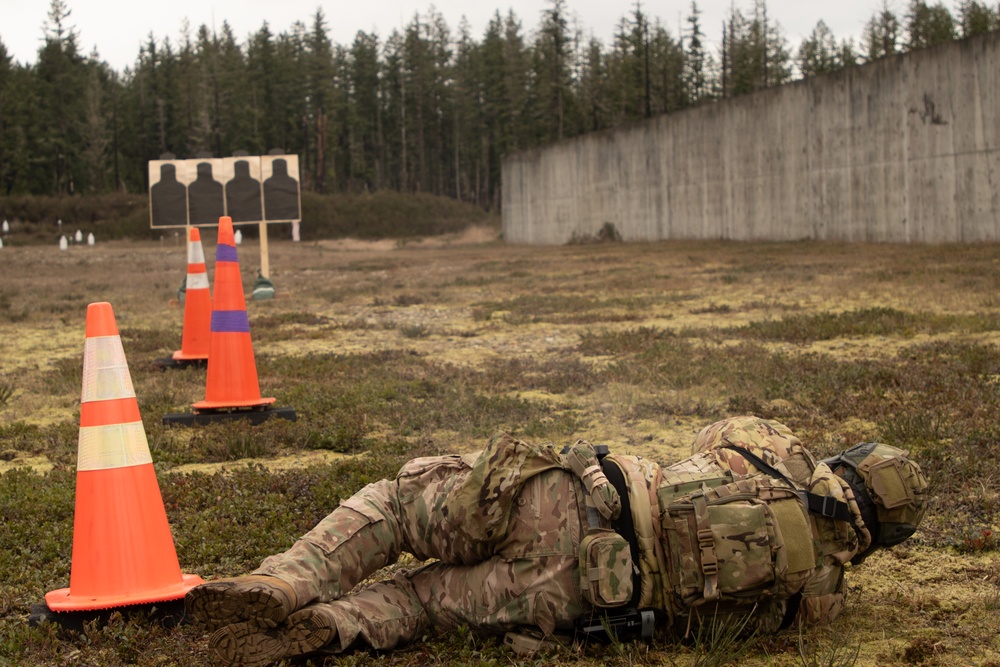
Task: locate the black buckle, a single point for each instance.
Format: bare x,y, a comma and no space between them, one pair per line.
600,451
829,509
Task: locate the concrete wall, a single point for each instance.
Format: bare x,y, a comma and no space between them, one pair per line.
906,149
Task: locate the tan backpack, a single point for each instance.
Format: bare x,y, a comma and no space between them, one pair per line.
746,544
738,542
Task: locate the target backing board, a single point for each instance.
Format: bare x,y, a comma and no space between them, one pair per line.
249,189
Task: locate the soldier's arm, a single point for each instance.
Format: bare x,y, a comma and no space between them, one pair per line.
822,596
836,542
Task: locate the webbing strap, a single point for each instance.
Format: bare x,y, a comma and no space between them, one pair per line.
706,546
623,524
826,506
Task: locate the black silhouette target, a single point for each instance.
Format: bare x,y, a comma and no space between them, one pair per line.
206,198
167,196
281,190
243,192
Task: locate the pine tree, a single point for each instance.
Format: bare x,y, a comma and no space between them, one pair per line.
418,67
552,67
193,98
818,52
441,104
291,90
167,87
629,65
667,63
267,118
60,80
208,60
695,65
848,54
593,87
16,101
363,78
469,127
977,18
928,25
396,141
517,74
495,111
237,103
755,52
318,61
95,129
881,34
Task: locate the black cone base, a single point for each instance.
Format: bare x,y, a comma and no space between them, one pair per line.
254,416
166,614
178,364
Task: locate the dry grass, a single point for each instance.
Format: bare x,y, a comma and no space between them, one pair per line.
405,349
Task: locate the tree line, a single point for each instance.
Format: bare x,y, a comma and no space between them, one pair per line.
424,109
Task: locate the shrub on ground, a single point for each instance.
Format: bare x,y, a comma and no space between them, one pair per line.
383,214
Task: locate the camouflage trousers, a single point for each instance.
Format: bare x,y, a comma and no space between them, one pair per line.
526,577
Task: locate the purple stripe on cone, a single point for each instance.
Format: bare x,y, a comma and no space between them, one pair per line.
230,321
225,253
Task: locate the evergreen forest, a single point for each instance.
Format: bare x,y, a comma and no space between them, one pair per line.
430,108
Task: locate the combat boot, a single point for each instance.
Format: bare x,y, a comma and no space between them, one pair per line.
306,631
259,600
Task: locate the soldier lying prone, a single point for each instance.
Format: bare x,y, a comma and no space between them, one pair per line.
529,540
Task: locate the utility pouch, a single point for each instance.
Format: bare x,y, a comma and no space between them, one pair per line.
606,568
885,477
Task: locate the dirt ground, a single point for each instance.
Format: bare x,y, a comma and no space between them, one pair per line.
471,301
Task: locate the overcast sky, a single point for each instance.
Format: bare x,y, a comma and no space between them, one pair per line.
116,28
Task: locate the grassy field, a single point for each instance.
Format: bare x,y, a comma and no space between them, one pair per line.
389,350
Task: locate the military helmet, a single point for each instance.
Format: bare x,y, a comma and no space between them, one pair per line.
749,432
889,487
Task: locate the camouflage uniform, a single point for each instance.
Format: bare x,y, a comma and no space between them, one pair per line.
506,527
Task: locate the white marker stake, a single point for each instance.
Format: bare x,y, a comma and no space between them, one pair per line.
79,236
63,243
90,239
238,236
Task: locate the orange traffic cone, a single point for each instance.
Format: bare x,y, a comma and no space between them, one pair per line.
197,305
123,552
231,381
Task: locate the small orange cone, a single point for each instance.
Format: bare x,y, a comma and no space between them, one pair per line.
123,552
231,381
196,336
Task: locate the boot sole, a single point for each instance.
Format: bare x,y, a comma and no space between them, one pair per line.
246,644
214,605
